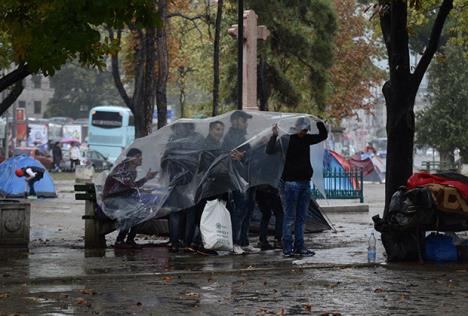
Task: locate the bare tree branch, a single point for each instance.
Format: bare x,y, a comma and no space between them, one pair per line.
116,71
16,75
12,96
433,44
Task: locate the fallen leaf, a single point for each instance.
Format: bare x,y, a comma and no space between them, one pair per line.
193,294
307,307
379,290
3,295
167,278
87,292
403,297
80,301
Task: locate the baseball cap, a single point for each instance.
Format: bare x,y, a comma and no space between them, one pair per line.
302,123
240,114
133,152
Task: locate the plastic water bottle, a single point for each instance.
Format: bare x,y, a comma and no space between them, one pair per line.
371,250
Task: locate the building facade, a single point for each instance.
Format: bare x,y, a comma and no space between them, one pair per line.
35,96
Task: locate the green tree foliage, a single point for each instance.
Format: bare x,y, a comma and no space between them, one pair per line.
78,89
443,124
45,34
299,51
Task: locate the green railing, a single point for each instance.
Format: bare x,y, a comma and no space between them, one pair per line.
342,185
437,166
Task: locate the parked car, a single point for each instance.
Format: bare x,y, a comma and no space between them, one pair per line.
43,157
89,157
95,159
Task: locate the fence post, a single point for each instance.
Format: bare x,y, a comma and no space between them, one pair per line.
361,193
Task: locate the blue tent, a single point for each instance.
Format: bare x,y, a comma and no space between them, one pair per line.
12,186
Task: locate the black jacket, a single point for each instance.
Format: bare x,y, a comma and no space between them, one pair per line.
297,165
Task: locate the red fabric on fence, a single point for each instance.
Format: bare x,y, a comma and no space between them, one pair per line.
422,178
366,165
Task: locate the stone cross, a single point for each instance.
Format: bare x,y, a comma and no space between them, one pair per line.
252,33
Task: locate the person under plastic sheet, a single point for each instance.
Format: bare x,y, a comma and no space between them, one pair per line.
179,164
122,193
212,149
268,201
295,182
242,203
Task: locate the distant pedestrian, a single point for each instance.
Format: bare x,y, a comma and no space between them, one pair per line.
75,155
295,182
57,156
32,174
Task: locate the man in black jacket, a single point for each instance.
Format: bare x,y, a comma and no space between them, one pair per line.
295,182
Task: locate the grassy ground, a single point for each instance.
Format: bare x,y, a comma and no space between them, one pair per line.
60,176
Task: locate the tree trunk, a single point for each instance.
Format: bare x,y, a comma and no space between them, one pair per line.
400,137
400,91
262,89
163,65
219,14
149,92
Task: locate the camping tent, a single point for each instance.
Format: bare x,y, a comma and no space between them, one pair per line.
12,186
373,167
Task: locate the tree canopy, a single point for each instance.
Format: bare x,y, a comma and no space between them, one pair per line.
40,36
443,124
78,89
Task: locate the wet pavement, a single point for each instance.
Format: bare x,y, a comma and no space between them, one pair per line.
58,277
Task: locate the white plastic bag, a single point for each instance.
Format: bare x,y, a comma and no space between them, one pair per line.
215,226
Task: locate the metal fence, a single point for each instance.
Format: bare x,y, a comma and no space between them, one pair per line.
341,184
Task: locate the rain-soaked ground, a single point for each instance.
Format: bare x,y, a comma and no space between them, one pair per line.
58,277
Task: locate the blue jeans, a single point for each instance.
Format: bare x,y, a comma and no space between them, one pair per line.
245,226
238,209
295,196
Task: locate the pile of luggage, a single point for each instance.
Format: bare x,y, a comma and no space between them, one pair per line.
429,202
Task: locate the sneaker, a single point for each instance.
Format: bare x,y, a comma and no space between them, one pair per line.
304,252
237,250
288,254
206,252
265,246
133,244
251,249
119,244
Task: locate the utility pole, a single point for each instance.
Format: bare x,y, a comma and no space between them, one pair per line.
240,51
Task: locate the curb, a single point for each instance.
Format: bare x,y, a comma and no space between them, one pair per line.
358,208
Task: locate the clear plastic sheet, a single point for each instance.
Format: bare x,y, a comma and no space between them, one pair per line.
194,159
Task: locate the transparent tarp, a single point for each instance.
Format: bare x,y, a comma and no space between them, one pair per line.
194,159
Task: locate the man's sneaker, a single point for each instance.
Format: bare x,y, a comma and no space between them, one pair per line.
304,252
251,249
288,254
133,244
237,250
122,245
265,246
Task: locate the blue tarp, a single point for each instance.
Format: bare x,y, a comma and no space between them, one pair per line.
12,186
